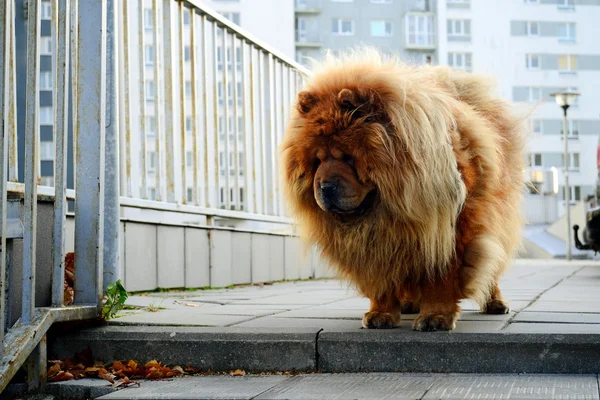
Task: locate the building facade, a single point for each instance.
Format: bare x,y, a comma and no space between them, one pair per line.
531,47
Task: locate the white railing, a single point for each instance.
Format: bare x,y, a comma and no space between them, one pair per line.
203,110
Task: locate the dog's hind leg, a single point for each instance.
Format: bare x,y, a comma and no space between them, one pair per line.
496,303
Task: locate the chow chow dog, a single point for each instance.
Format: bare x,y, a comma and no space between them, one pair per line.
408,179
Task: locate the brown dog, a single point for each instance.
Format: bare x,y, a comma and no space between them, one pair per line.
409,180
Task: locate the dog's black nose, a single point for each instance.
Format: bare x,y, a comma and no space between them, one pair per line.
329,189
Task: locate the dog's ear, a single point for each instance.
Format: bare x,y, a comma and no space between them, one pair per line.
362,102
306,101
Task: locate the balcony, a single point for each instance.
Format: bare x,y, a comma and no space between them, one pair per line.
308,40
308,7
420,31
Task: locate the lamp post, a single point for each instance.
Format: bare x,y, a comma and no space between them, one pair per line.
564,100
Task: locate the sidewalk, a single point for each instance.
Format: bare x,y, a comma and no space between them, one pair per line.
554,327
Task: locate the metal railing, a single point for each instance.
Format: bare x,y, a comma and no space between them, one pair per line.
80,58
170,107
204,108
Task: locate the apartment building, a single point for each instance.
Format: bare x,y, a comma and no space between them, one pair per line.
407,27
532,47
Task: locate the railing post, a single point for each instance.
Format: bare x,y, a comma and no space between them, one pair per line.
112,269
90,130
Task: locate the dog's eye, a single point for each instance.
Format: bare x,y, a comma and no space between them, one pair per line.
349,160
316,163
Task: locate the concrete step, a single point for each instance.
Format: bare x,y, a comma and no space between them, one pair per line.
345,386
330,350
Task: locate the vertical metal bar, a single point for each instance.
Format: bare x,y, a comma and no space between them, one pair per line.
36,366
32,129
111,211
197,187
143,129
216,113
226,157
208,199
61,20
236,166
74,80
273,133
263,132
10,84
125,82
90,134
166,137
249,204
257,129
183,108
5,54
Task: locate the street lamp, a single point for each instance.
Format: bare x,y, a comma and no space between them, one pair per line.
564,100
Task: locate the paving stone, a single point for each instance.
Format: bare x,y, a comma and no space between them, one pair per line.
187,316
275,322
80,389
207,387
220,349
350,386
524,327
559,317
295,299
513,387
565,306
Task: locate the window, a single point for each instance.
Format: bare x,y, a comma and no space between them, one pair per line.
150,125
241,162
188,124
572,161
242,197
566,32
240,124
419,30
190,194
46,10
220,93
533,61
567,64
381,28
46,45
461,2
342,1
151,161
46,150
47,181
535,160
149,55
381,1
460,61
533,28
301,31
188,89
221,160
219,58
148,22
531,1
187,53
535,94
230,93
459,27
189,158
240,93
221,125
46,116
232,16
537,126
572,129
342,26
186,18
150,91
575,102
238,58
565,4
45,80
574,195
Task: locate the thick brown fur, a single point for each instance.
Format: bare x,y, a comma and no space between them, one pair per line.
427,169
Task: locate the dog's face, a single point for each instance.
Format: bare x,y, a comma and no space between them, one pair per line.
333,154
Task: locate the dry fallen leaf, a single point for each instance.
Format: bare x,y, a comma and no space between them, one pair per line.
238,372
61,376
53,370
186,304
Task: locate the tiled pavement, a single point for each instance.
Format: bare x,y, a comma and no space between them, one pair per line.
552,296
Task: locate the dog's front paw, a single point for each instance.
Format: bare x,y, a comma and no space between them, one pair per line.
496,307
380,320
435,322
